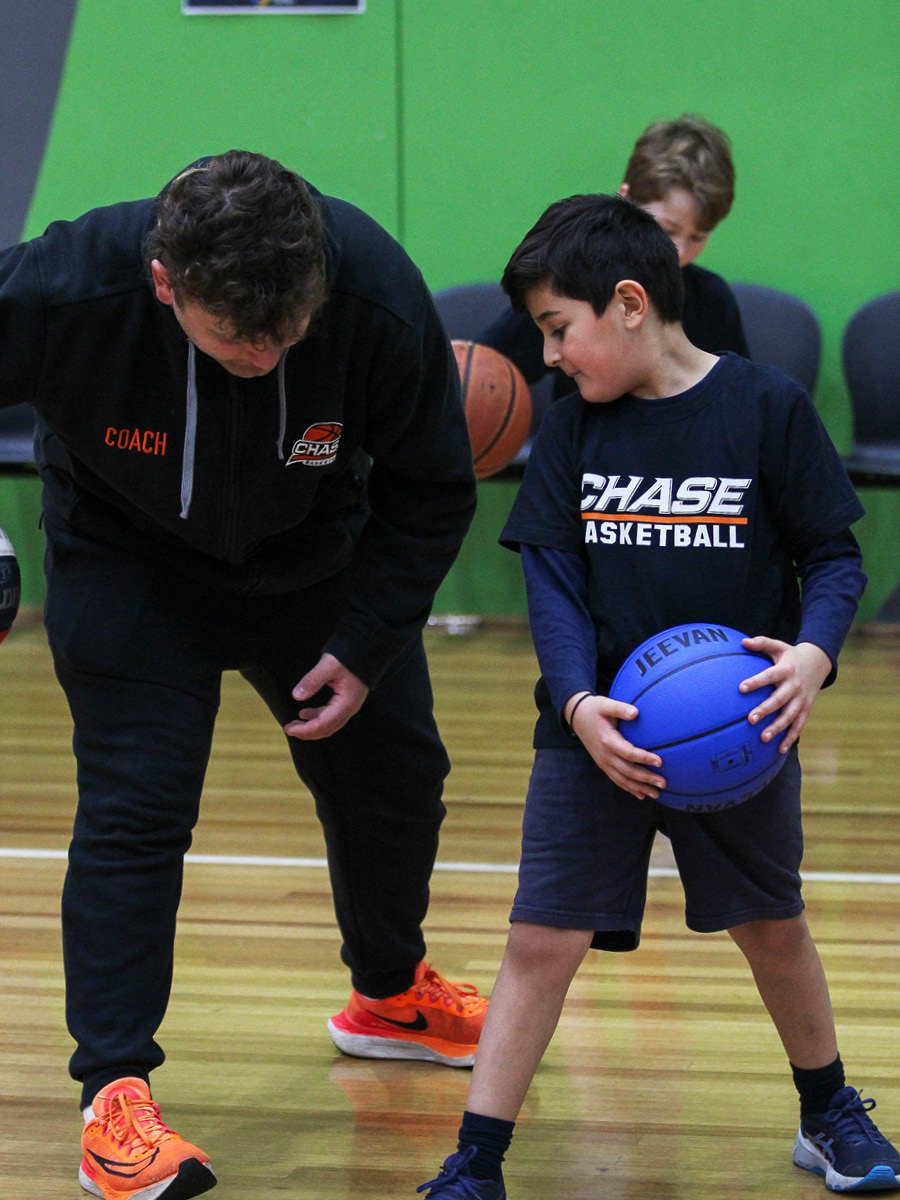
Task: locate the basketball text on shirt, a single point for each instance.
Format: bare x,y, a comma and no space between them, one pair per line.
701,510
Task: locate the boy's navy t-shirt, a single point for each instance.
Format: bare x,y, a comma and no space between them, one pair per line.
689,509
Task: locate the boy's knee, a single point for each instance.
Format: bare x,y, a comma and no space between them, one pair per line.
777,938
547,945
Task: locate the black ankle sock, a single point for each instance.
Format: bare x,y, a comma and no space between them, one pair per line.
492,1137
818,1086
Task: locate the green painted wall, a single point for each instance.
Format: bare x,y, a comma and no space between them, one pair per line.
455,122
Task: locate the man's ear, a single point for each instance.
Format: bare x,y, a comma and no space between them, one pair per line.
623,190
632,301
161,282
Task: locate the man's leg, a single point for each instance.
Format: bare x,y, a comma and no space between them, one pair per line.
143,702
143,698
141,750
377,786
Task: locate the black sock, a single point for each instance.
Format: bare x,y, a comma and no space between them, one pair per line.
818,1086
492,1137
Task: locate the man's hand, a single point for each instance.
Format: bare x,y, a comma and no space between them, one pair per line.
347,698
596,726
797,673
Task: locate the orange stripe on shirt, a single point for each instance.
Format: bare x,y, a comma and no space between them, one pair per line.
647,520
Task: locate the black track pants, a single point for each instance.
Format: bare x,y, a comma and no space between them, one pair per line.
140,656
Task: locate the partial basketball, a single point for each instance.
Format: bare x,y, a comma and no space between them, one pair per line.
9,585
684,683
497,405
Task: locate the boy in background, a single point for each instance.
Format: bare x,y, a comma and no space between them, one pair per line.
661,427
681,172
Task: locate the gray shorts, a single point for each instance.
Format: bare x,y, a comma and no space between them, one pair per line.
586,851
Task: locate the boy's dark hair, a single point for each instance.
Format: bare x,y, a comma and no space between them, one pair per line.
242,236
584,246
686,153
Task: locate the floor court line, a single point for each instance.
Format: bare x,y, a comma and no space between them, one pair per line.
243,860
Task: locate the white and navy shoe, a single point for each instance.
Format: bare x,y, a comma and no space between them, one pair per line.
845,1145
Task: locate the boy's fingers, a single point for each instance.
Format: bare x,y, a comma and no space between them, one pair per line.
635,774
763,679
763,645
622,711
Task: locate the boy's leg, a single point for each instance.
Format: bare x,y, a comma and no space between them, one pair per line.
837,1138
582,882
791,982
526,1002
741,872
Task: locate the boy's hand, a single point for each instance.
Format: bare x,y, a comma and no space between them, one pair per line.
796,674
595,725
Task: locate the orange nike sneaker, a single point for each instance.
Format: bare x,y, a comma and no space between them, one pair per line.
131,1154
433,1020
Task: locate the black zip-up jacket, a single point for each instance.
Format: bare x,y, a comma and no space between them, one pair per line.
249,486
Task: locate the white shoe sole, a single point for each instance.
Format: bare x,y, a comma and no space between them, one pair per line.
811,1159
360,1046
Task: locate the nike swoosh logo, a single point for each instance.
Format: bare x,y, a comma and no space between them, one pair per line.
131,1171
418,1024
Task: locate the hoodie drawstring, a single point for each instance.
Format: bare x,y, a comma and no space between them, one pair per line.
190,434
282,406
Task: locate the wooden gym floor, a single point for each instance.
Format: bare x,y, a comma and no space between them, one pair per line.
665,1079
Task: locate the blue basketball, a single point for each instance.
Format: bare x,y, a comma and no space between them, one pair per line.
684,683
9,585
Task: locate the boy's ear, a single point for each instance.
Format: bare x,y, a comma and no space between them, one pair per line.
623,190
632,302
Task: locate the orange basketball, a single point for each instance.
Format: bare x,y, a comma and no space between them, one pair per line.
497,405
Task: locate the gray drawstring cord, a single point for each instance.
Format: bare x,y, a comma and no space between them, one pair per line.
282,405
190,434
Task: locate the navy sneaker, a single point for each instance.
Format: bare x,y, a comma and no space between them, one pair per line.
844,1145
456,1182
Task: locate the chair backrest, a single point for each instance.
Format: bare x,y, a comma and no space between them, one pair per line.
782,331
870,351
17,438
468,308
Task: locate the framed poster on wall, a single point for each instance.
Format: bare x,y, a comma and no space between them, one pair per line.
234,7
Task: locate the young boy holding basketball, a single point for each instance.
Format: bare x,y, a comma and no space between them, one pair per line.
663,430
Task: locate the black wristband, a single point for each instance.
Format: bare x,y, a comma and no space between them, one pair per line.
575,710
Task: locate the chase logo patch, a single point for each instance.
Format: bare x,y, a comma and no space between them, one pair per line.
319,445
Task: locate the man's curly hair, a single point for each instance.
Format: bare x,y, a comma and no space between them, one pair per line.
242,236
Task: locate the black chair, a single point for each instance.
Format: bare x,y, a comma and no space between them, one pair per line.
870,353
782,331
17,439
470,307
